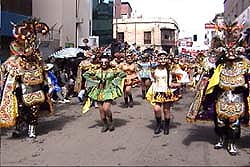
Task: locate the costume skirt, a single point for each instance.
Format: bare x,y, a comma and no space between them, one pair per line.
161,97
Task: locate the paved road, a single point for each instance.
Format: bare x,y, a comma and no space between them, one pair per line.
73,139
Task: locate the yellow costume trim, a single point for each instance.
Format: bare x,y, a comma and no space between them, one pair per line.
149,95
195,106
121,85
8,106
86,106
248,111
214,80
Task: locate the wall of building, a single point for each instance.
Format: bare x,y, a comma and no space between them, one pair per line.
117,9
103,21
244,17
134,29
233,8
85,27
238,10
126,9
69,18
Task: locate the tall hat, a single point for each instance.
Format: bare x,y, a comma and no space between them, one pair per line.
48,66
146,56
25,34
131,54
162,53
28,29
167,55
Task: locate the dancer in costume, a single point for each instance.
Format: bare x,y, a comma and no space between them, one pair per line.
118,59
25,87
181,76
132,78
80,83
228,89
55,90
200,102
174,64
161,92
82,86
108,87
145,66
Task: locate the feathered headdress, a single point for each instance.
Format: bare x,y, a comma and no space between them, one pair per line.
232,41
25,34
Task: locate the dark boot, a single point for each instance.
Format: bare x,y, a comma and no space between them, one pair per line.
105,127
126,102
143,94
131,101
166,126
231,148
220,143
158,125
111,123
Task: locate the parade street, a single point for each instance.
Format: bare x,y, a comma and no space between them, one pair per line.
74,139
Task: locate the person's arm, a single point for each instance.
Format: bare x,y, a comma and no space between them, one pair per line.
152,75
90,77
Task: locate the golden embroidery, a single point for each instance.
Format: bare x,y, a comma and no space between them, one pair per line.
34,98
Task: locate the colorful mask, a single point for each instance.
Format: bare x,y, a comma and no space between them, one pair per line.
231,42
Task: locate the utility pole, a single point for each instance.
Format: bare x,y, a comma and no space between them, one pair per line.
135,25
116,19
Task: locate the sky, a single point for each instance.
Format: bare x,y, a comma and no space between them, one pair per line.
191,15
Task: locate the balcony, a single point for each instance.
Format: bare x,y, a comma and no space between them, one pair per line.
168,42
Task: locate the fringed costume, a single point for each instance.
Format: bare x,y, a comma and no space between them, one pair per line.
107,85
228,90
145,68
132,79
161,92
25,85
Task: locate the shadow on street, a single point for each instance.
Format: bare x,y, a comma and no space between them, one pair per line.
200,133
55,124
117,123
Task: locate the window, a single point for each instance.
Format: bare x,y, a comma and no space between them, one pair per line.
147,37
120,36
167,37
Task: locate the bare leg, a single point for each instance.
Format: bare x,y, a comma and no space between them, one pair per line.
108,113
129,95
103,117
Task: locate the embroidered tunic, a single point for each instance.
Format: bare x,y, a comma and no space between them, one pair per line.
231,104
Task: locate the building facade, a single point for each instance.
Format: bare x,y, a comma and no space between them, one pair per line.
159,33
234,8
103,21
69,20
126,10
237,11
